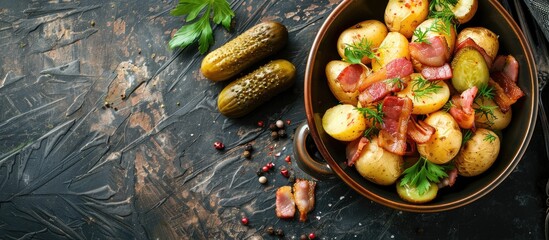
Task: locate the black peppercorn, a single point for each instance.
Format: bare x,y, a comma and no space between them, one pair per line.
273,127
303,237
282,133
279,232
270,230
249,147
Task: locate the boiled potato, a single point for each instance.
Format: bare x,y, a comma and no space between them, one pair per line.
394,46
469,69
378,165
464,10
498,120
437,27
478,154
333,69
445,142
343,122
427,103
372,31
404,16
410,194
483,37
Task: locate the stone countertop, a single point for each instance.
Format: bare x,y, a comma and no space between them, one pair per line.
106,133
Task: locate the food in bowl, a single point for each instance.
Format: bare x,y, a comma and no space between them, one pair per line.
419,109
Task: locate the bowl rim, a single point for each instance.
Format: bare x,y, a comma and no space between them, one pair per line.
437,207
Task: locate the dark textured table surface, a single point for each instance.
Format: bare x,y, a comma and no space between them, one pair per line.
145,167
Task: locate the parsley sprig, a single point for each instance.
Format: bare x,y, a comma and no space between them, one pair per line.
217,10
358,50
424,173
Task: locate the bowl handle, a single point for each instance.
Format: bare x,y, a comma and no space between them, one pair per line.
311,166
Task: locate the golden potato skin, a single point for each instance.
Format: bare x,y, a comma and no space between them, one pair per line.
404,16
464,10
395,45
478,154
498,121
428,103
378,165
446,141
343,122
449,36
372,31
483,37
333,69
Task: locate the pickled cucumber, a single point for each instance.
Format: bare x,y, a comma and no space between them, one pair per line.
469,69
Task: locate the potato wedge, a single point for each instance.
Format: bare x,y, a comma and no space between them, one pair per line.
428,103
446,141
405,16
371,31
344,123
395,45
478,154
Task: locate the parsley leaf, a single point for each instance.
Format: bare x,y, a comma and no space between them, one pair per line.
423,173
200,30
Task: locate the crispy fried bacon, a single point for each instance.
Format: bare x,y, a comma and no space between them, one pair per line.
304,194
392,136
378,91
462,108
349,77
469,42
434,54
354,149
285,203
450,180
507,91
400,67
420,131
443,72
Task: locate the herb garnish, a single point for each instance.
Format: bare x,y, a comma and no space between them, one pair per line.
218,10
490,138
486,91
422,87
358,50
467,135
487,112
442,9
423,173
375,115
395,82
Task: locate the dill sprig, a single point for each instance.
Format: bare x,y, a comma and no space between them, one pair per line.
489,138
395,82
442,9
485,91
422,87
487,112
467,135
373,114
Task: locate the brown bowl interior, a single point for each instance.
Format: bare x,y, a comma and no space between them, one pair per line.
515,139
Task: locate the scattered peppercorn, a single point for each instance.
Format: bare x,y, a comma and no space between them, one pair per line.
303,237
279,232
285,173
287,159
279,124
265,169
282,133
249,147
270,165
288,122
274,135
262,179
291,178
312,236
259,172
260,123
273,127
219,145
270,230
247,154
244,221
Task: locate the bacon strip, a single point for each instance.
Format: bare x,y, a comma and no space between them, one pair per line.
392,136
434,54
400,67
420,131
450,180
378,91
508,65
285,203
462,108
354,149
304,194
507,91
443,72
349,77
469,42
